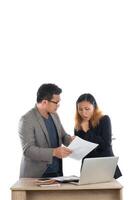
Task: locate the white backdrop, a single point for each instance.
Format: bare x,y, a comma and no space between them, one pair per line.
82,46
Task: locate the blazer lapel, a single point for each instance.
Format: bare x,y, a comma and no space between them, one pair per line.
42,124
57,128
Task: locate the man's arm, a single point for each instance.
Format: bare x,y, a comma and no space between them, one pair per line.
34,152
66,138
28,142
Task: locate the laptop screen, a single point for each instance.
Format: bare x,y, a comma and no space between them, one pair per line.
96,170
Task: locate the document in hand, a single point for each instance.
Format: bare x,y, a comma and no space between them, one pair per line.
80,148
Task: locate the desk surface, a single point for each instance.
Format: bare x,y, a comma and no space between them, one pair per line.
30,184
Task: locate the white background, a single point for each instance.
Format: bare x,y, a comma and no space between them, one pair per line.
82,46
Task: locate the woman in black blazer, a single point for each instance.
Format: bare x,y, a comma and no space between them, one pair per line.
93,126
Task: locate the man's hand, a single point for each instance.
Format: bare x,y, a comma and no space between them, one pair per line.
72,138
61,152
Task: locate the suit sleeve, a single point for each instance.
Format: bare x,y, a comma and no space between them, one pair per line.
28,142
66,138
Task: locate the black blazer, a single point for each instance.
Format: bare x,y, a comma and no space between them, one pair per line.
101,135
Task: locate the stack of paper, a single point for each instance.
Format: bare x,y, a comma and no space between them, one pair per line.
66,179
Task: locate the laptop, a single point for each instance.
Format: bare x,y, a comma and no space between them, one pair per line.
97,170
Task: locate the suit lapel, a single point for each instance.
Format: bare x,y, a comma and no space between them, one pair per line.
42,124
57,128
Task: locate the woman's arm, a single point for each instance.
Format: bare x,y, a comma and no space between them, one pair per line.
103,135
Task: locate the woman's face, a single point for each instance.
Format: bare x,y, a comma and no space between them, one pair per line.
85,110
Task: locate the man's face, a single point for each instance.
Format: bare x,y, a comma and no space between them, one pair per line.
53,104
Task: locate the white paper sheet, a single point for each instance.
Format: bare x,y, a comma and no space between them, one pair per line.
63,179
81,148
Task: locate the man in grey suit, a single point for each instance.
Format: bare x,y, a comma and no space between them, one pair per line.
41,134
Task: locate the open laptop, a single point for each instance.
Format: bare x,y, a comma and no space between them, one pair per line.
98,170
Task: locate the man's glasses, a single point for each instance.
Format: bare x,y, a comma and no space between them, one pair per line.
54,102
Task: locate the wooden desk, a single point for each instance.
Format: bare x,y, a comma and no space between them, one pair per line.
26,189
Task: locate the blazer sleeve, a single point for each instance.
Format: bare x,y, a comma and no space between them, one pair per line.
66,138
28,142
103,135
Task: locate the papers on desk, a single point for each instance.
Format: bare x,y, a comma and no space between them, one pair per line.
66,179
81,148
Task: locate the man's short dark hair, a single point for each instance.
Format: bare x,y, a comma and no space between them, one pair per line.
46,92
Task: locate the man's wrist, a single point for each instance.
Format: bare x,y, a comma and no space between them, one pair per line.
54,154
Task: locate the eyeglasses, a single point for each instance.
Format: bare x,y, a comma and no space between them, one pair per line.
54,102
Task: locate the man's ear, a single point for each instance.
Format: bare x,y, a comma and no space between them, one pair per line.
44,101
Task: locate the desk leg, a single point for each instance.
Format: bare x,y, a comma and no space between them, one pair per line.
19,195
121,194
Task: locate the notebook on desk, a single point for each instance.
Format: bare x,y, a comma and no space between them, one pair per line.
97,170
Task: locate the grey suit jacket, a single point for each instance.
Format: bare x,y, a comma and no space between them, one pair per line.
37,151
